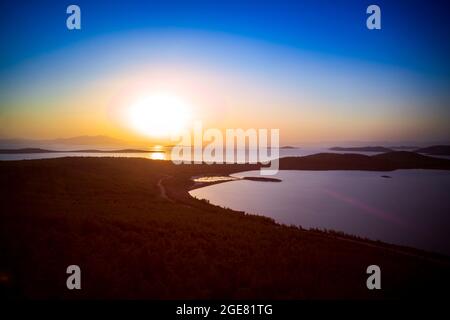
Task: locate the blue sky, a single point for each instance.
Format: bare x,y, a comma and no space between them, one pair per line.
414,34
321,47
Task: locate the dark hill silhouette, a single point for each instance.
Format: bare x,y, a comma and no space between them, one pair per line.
24,150
38,150
362,149
382,162
440,150
411,148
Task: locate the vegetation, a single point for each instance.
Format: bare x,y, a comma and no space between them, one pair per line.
109,216
381,162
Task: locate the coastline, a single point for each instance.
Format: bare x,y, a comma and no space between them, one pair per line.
117,207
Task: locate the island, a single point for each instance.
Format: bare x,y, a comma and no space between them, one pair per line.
38,150
440,150
262,179
362,149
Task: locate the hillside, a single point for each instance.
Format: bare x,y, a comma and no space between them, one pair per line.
361,149
440,150
132,240
381,162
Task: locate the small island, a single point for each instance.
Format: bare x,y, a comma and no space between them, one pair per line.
441,150
436,150
262,179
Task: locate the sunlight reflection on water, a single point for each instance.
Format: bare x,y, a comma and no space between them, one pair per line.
157,156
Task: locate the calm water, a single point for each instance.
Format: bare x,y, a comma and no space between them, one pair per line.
163,155
410,208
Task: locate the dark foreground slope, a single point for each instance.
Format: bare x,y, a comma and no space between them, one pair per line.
109,216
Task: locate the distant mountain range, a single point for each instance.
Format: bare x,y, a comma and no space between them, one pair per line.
100,140
80,142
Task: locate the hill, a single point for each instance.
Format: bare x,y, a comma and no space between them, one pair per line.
39,150
361,149
381,162
441,150
132,227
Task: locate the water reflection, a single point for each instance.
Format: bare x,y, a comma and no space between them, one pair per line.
157,156
410,208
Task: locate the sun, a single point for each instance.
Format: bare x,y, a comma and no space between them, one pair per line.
159,115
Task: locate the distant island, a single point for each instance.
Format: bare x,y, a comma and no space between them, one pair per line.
404,147
381,162
441,150
362,149
38,150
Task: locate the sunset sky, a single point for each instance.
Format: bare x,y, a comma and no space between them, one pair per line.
310,68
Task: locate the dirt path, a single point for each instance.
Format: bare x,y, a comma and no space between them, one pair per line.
162,189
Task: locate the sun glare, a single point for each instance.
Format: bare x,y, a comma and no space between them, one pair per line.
159,115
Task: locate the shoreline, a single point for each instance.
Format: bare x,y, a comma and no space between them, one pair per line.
336,234
402,249
135,214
